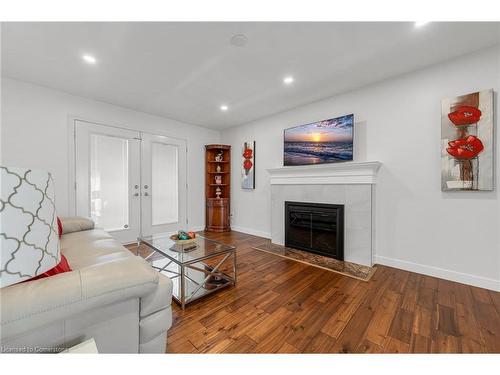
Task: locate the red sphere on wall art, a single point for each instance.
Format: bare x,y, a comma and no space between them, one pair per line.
247,154
465,115
467,148
247,164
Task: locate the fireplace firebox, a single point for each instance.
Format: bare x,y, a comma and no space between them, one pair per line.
315,227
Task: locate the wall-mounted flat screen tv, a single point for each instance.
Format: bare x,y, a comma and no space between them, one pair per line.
327,141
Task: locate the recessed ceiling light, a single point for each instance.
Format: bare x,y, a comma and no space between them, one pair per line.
288,80
89,59
238,40
421,23
224,108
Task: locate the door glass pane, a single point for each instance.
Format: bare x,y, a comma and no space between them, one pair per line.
109,195
165,184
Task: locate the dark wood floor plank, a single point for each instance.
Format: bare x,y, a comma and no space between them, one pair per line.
402,325
350,303
367,347
420,344
395,346
495,297
383,316
447,321
243,344
183,346
320,343
490,327
286,348
353,333
423,323
309,320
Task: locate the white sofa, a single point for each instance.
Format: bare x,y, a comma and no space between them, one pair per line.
111,295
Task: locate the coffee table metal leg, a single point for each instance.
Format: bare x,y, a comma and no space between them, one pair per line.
183,294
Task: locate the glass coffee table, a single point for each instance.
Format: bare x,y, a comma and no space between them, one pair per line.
196,269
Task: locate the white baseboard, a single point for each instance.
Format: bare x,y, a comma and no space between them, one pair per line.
253,232
464,278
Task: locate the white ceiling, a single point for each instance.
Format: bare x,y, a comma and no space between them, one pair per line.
185,71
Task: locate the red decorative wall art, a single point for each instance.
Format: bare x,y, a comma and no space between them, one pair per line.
248,165
467,142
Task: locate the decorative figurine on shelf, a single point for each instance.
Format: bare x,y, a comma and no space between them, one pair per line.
218,180
218,192
218,168
219,156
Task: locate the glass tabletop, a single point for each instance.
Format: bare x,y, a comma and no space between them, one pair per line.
201,248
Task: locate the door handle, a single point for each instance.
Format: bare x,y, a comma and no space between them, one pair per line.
146,194
136,194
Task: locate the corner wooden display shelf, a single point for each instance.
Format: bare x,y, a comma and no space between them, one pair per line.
217,188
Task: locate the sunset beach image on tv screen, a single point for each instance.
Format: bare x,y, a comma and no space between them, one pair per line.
327,141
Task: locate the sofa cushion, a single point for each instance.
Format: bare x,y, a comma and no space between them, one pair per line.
91,247
76,224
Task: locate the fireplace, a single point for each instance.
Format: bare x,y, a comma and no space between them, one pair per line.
315,227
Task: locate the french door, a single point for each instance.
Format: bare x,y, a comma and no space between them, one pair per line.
163,184
129,182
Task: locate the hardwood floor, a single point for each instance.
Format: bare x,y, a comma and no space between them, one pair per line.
282,306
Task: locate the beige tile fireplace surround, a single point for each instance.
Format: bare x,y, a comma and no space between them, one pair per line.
351,184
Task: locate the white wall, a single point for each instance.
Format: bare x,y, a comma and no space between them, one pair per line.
35,135
453,235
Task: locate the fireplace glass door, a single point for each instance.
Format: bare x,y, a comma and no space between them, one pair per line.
315,227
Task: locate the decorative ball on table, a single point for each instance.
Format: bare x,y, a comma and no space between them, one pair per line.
183,237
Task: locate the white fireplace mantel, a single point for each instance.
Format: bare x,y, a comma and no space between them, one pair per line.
326,174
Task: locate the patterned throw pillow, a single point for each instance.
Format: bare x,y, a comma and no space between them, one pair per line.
29,239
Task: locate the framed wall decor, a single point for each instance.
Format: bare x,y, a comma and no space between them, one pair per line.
327,141
248,165
467,148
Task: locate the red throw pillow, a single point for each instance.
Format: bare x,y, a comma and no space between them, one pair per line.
59,227
62,267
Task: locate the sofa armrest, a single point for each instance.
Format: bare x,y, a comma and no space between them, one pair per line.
160,299
76,224
33,304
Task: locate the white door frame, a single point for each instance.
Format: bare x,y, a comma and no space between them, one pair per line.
71,127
